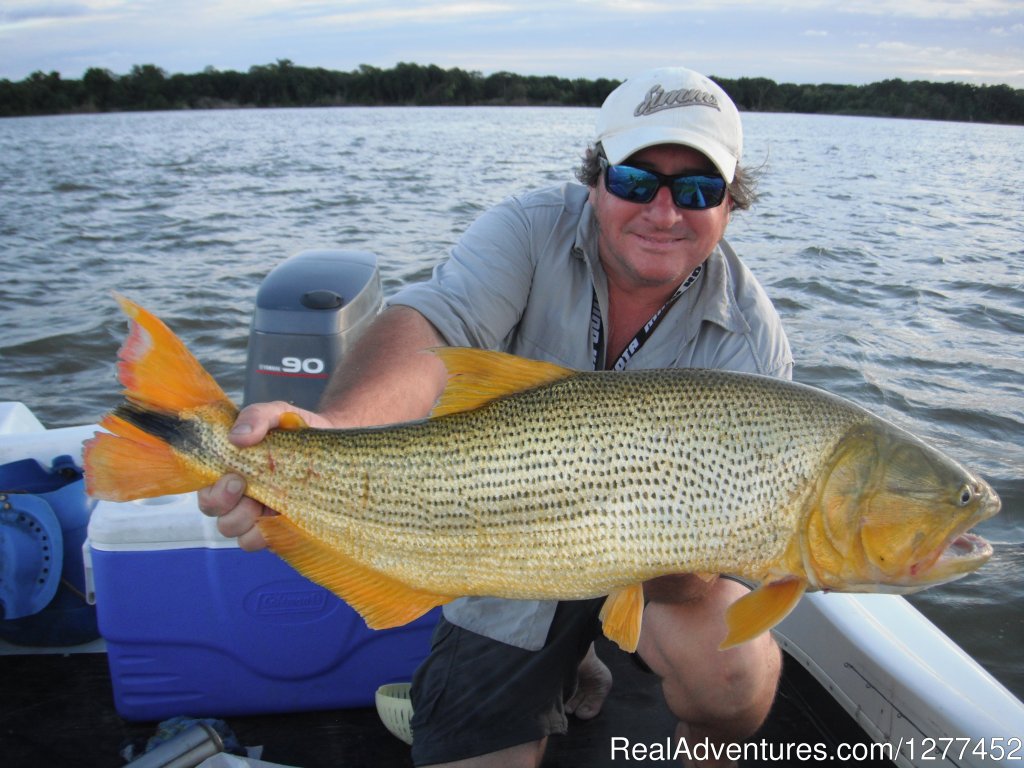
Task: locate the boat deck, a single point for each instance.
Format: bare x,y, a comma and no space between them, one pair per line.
58,710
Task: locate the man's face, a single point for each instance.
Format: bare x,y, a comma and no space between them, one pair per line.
656,244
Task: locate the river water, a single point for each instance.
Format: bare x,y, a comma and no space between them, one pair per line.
893,249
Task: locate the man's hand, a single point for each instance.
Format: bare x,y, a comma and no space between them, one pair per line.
236,513
391,378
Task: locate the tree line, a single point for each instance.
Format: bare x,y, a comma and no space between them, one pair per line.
283,84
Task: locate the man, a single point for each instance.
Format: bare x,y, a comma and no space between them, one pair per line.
627,270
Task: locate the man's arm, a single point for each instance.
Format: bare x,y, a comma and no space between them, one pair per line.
388,377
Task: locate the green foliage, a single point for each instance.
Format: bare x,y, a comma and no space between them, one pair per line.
283,84
890,98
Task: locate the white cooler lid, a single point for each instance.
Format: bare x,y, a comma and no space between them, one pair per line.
165,522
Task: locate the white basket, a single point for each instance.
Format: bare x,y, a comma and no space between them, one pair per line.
395,709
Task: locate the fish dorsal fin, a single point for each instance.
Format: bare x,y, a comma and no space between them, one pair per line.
382,601
478,376
156,368
761,610
622,616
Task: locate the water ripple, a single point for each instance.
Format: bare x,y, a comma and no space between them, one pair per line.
891,248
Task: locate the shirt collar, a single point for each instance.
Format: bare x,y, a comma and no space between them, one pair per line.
712,298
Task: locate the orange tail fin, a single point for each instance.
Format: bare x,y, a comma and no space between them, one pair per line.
156,368
162,383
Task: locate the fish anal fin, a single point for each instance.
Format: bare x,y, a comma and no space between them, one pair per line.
478,376
622,616
157,370
761,610
382,601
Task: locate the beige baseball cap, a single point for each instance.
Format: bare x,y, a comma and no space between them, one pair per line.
671,105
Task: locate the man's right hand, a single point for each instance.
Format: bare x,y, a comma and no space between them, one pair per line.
395,380
236,513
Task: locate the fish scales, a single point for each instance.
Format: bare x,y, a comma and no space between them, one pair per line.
594,481
535,481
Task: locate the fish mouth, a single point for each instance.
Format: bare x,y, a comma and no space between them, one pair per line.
965,553
967,550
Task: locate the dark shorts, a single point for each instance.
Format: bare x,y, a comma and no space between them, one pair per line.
473,695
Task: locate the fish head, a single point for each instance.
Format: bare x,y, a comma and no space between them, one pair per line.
891,514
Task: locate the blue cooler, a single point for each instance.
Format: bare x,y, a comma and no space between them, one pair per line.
195,626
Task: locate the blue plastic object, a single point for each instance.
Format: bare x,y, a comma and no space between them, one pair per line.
44,517
31,548
219,632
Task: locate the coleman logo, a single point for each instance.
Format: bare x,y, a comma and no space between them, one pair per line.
306,601
658,99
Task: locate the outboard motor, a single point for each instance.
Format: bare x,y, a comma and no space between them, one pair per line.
310,310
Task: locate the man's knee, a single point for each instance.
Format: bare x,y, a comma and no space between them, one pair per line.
702,684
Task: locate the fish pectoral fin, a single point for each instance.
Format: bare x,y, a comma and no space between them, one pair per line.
478,376
381,600
622,616
761,610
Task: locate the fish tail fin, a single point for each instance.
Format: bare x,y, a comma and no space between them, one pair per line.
145,455
133,464
156,368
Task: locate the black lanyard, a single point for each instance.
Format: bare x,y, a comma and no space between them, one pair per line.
597,325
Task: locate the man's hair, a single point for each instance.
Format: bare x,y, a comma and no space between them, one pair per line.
741,191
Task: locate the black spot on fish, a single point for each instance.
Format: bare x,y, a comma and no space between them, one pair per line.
177,432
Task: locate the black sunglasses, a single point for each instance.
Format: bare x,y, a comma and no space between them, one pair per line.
693,191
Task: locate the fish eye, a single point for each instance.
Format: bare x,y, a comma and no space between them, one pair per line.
966,495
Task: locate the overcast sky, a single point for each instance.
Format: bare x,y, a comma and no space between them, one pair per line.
800,41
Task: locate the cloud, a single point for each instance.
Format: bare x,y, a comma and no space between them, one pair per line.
919,9
22,12
785,40
377,14
929,62
1016,29
933,9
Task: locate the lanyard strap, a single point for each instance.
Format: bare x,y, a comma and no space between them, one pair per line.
597,325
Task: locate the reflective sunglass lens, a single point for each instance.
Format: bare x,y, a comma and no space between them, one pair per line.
698,191
633,184
695,192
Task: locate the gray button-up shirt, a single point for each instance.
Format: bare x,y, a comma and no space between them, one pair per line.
522,279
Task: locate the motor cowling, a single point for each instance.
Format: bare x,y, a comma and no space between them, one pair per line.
310,310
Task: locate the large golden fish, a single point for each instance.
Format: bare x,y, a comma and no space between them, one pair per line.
533,481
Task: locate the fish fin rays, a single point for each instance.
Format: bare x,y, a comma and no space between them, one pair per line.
156,368
135,465
478,376
162,380
761,610
381,600
622,616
